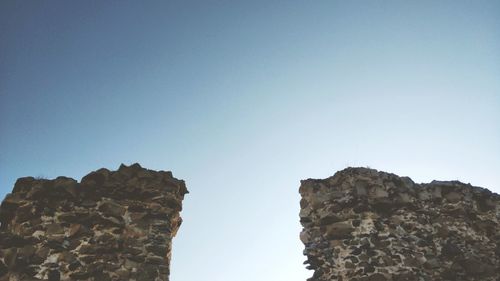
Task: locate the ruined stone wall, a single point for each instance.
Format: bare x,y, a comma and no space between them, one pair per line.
362,224
111,226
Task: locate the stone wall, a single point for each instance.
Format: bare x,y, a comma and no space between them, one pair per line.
362,224
111,226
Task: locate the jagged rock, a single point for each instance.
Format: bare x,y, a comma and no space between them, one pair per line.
113,225
110,207
362,224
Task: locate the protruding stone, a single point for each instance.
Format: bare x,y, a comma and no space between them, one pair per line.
339,230
109,207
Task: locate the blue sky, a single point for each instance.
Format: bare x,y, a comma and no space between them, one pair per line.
243,99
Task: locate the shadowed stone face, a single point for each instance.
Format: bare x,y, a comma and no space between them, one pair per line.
365,225
113,225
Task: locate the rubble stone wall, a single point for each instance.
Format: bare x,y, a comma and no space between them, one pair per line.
365,225
113,225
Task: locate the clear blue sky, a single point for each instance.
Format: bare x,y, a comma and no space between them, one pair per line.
242,99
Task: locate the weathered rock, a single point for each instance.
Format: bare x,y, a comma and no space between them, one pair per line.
339,230
365,225
110,207
113,225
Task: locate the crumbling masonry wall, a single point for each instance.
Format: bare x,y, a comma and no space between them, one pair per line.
362,224
113,225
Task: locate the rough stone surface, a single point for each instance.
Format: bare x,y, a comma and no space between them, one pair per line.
365,225
113,225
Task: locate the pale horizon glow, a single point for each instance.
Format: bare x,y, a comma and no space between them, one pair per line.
242,100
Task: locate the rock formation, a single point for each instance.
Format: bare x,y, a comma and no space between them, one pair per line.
365,225
111,226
